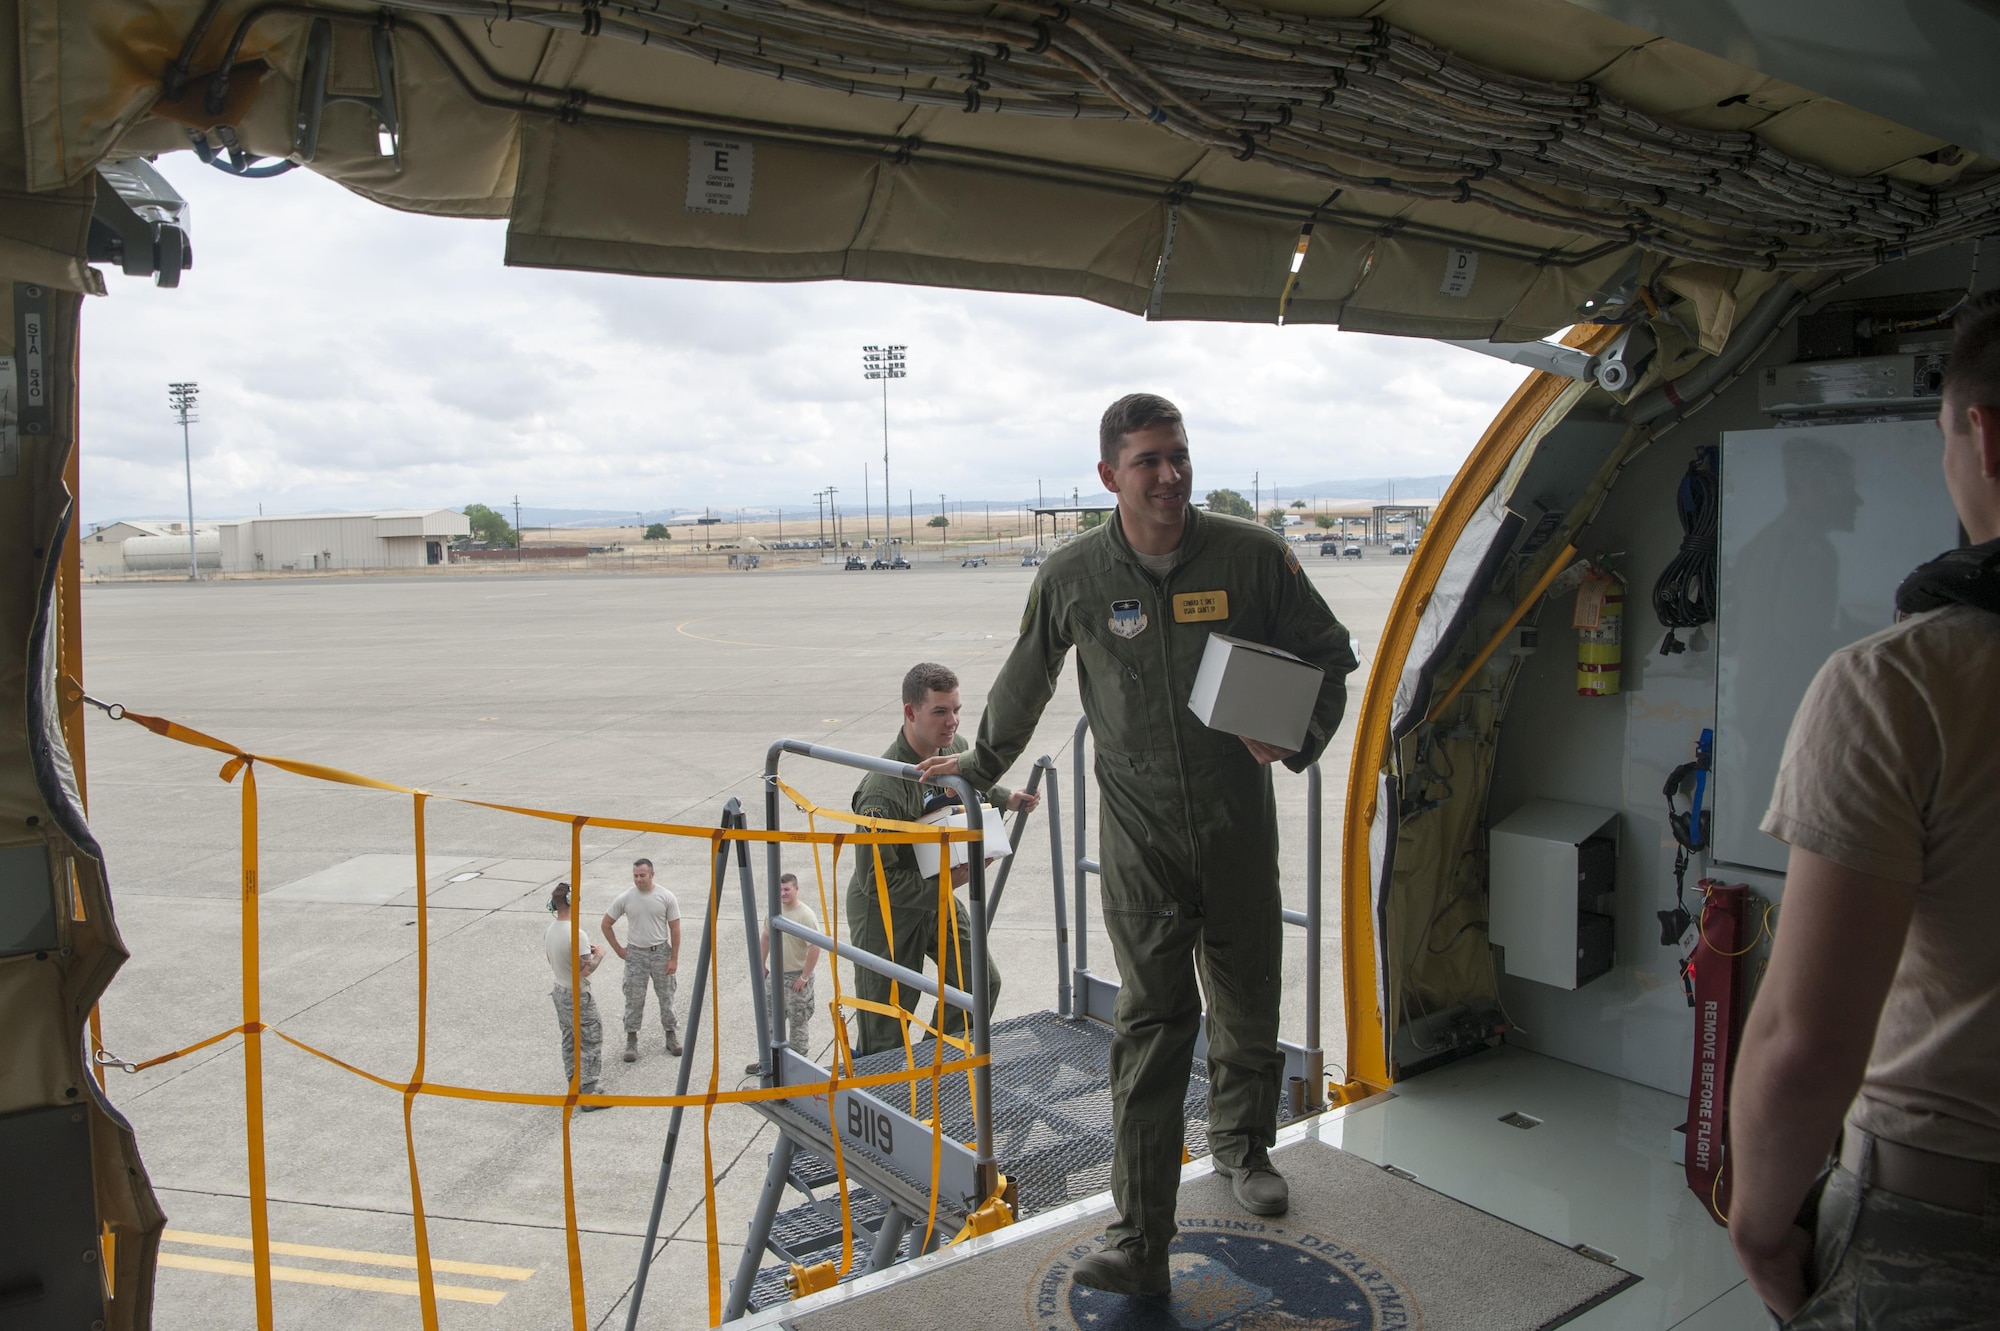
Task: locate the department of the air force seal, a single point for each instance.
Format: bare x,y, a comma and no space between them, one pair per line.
1127,620
1234,1275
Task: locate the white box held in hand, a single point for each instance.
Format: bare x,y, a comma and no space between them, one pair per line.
961,851
1258,692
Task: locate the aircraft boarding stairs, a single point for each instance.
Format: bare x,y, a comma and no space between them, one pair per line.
1043,1112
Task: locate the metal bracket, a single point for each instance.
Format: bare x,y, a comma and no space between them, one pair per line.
1615,369
314,97
139,222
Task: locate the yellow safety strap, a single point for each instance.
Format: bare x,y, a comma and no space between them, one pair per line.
426,1285
709,1219
253,1048
937,1048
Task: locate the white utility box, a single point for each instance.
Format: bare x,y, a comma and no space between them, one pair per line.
1553,875
961,851
1258,692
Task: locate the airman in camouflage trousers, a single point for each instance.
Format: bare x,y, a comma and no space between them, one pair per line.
593,1039
645,965
1886,1262
799,1005
799,960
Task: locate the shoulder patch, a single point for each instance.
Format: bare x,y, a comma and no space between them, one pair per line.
1292,560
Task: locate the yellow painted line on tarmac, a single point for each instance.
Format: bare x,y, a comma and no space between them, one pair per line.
682,629
298,1275
403,1260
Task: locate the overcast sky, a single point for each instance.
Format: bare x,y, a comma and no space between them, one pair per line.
353,357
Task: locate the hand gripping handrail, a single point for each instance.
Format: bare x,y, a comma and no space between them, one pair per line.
975,1002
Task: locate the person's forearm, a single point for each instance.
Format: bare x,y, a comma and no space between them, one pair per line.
1806,1044
1785,1110
1014,704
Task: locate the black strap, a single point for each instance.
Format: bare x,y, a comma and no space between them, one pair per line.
1966,576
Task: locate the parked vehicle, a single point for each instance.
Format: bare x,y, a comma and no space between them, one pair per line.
1351,552
899,561
854,562
973,561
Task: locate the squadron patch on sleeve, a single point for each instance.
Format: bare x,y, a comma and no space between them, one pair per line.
1292,560
1127,620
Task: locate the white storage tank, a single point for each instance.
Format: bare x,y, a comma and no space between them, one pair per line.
165,554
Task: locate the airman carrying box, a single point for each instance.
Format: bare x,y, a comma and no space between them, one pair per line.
1258,692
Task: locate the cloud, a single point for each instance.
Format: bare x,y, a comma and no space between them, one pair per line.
351,356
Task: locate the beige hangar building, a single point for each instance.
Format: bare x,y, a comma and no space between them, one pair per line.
392,538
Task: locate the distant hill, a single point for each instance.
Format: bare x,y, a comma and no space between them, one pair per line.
1414,489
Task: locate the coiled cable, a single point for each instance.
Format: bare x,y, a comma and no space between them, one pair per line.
1685,595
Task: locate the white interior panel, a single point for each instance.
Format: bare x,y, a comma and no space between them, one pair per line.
1819,525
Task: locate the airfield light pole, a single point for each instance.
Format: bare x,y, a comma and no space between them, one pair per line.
517,529
833,512
180,401
868,510
884,363
944,532
819,505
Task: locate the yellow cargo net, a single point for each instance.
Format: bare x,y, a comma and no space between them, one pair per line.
843,1057
873,833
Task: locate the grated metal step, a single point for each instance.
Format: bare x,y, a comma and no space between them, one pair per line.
804,1233
1051,1079
811,1172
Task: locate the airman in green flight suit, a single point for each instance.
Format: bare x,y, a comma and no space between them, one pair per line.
1189,845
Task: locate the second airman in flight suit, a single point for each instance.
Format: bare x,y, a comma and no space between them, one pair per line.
930,727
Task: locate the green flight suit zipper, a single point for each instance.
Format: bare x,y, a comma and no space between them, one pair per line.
1173,729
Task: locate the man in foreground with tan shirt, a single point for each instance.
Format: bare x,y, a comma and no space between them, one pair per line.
1881,1006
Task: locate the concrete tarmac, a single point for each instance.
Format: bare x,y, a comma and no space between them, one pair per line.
649,698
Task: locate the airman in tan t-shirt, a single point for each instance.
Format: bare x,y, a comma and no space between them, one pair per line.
1893,769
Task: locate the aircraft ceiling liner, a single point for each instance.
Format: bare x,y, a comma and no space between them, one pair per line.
1468,168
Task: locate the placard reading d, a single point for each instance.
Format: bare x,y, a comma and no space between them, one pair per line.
720,172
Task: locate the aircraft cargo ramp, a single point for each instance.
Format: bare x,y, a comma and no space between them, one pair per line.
1052,1135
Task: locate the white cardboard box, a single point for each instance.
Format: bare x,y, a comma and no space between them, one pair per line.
1258,692
961,851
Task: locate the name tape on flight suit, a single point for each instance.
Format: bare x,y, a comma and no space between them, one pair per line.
1192,606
